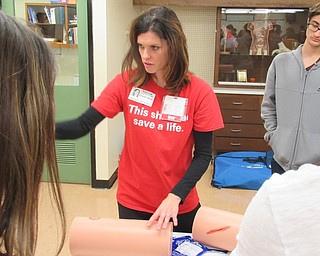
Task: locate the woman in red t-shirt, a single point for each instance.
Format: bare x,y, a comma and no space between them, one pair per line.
169,114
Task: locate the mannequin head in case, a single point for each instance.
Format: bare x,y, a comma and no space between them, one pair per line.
26,134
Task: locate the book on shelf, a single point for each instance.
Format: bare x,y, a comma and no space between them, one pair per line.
56,15
60,15
63,1
73,35
53,15
47,11
64,36
32,15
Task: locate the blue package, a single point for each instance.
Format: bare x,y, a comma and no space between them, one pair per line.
186,246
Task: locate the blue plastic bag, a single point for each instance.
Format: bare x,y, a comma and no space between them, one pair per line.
185,246
242,169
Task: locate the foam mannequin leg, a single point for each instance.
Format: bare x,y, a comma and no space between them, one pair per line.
216,228
118,237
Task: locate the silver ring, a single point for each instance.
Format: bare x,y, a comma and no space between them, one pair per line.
168,215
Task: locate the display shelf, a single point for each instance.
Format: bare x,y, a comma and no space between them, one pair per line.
249,38
57,22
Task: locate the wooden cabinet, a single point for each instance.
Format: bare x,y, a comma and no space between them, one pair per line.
243,125
57,22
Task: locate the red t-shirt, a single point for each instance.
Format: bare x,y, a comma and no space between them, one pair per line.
156,152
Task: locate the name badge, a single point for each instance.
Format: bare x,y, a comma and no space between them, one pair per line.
174,108
142,96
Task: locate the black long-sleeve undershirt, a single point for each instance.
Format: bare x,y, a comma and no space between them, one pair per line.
202,156
82,125
76,128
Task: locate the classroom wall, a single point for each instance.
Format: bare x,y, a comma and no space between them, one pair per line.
111,20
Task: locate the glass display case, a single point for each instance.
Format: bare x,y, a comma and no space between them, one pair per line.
249,38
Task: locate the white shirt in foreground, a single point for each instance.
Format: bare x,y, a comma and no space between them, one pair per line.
283,218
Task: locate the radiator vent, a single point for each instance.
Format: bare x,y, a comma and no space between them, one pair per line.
66,153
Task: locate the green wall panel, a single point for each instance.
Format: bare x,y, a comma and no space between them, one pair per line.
74,156
8,6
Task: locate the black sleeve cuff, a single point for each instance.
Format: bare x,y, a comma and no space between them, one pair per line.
76,128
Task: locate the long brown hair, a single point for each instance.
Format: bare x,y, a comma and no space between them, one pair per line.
165,23
27,145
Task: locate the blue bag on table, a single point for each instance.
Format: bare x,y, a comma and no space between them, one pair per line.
242,169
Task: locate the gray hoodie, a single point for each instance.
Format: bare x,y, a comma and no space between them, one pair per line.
291,110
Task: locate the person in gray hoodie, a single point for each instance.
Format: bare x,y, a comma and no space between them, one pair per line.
291,104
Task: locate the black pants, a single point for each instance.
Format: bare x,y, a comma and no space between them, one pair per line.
185,220
276,168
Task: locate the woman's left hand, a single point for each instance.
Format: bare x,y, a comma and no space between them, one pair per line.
166,211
